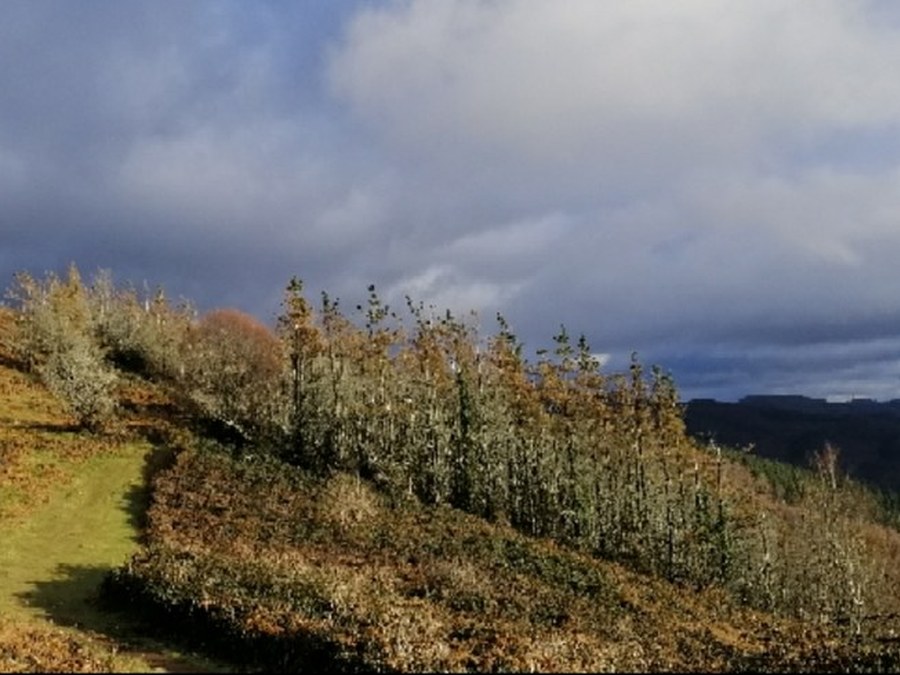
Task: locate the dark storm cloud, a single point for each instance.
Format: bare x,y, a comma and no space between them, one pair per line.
185,143
714,185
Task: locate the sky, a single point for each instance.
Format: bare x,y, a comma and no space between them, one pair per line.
714,185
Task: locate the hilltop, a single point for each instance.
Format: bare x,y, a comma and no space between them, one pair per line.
409,497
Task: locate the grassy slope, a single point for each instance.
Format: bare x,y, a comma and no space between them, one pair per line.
334,570
53,560
69,508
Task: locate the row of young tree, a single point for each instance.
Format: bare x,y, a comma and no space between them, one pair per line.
428,409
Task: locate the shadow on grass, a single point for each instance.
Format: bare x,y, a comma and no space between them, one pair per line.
138,498
73,599
10,361
73,596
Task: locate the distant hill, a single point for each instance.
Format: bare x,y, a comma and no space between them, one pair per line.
790,428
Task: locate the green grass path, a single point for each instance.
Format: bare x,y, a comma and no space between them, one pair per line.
52,561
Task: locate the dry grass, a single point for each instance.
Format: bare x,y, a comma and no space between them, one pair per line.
401,586
41,648
68,514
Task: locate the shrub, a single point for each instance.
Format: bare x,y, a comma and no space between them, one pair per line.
232,371
56,340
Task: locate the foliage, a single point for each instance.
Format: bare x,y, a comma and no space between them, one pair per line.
36,649
278,569
441,420
140,335
56,341
59,534
554,448
231,370
787,482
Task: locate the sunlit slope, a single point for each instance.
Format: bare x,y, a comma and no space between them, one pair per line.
273,566
70,508
52,563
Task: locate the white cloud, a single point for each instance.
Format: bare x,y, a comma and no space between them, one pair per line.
211,172
442,287
685,146
357,217
522,245
557,82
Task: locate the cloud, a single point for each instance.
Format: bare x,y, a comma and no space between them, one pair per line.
553,83
685,144
712,184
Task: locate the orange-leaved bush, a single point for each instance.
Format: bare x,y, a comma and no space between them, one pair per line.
232,372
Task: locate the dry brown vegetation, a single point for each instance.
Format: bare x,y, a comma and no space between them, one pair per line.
42,649
43,454
37,454
283,569
410,496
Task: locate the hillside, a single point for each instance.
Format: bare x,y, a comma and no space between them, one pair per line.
70,507
409,498
342,576
405,582
792,428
